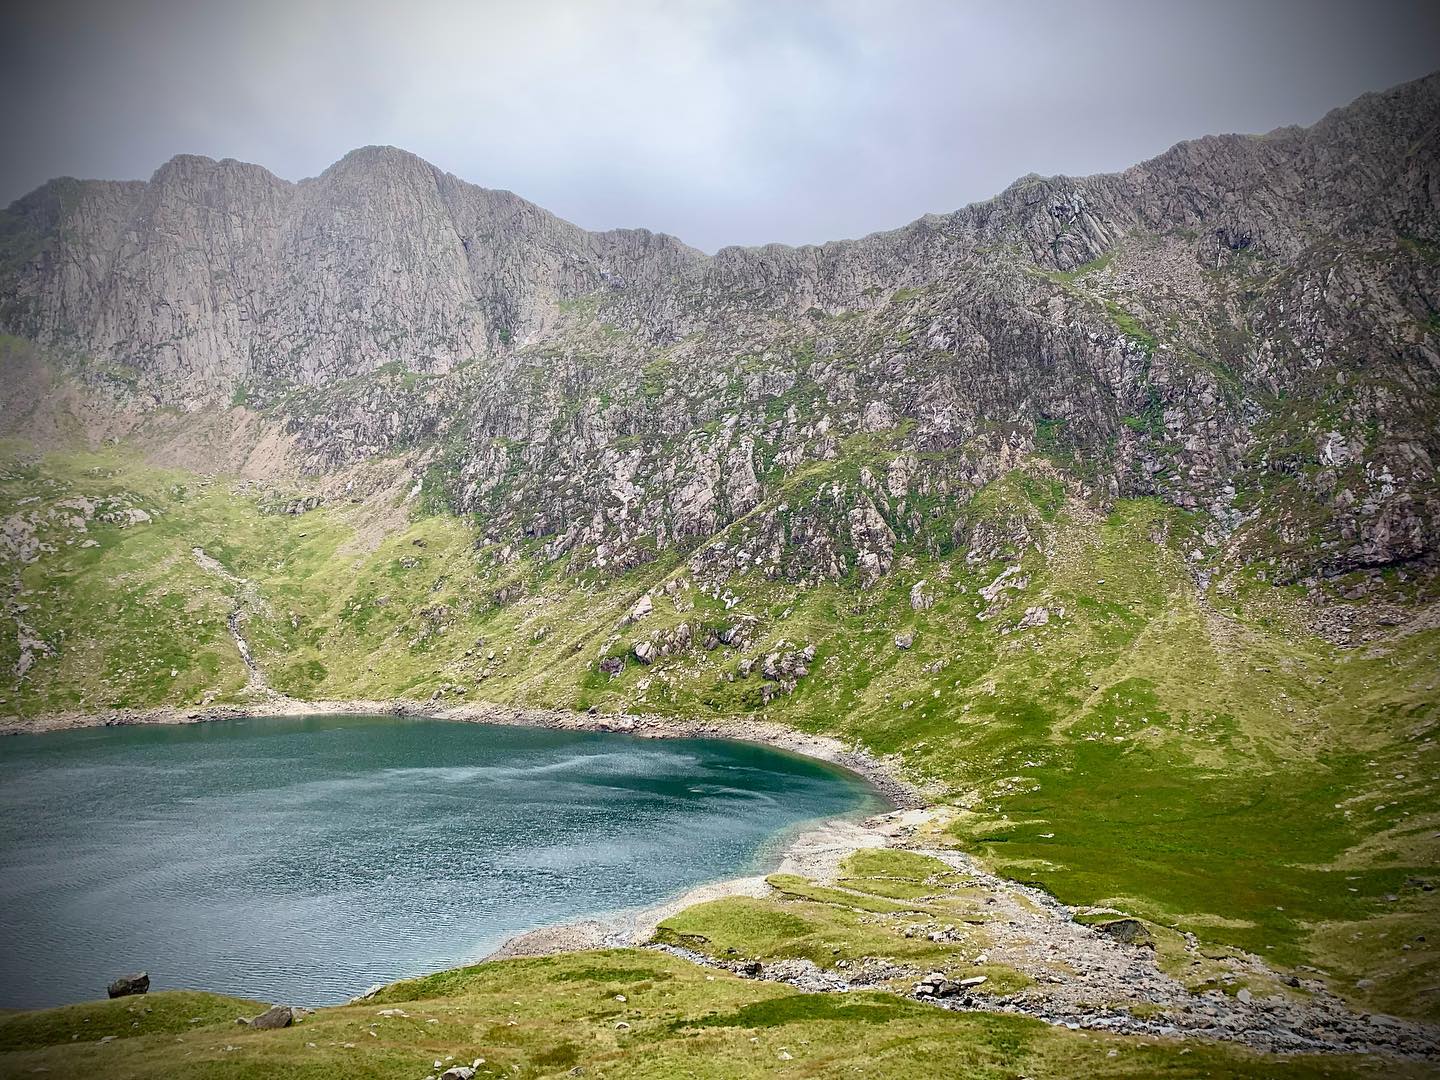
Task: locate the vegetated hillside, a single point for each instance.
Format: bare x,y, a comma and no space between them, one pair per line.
1108,507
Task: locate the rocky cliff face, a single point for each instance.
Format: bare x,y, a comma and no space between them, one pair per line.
1244,326
218,273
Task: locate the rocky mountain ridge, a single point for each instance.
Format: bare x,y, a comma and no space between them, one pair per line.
1243,326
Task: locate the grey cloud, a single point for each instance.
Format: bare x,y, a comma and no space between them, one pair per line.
739,122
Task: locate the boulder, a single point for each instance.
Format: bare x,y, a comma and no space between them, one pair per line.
934,984
458,1072
905,640
277,1016
1126,932
126,985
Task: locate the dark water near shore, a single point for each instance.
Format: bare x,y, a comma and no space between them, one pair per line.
301,859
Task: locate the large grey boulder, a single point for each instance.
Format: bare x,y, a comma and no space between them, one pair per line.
277,1016
126,985
1127,932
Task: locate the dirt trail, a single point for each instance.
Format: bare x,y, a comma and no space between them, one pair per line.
1085,979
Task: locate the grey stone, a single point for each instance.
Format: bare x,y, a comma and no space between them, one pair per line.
126,985
1127,932
277,1016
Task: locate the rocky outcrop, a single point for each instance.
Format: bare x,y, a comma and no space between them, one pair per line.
1127,932
217,273
1243,326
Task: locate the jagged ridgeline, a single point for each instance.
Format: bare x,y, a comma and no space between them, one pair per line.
1108,506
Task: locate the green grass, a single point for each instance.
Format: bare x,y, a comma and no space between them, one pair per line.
171,1012
1131,327
564,1016
1094,266
857,920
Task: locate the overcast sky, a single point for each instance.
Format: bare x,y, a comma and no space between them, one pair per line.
721,121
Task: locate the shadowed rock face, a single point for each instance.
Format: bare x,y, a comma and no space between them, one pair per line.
1245,326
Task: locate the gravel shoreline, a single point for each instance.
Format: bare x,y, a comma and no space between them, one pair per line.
882,774
815,852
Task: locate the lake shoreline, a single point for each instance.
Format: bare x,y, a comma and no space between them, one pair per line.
815,851
883,775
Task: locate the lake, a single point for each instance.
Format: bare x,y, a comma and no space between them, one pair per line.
302,859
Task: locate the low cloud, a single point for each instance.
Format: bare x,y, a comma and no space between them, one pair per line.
741,122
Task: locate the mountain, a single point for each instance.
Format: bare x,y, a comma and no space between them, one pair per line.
1242,325
1106,510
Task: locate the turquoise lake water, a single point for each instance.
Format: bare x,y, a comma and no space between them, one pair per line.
302,859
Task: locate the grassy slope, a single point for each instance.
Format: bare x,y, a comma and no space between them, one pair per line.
623,1013
872,911
1201,760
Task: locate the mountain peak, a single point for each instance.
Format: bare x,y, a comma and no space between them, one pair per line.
381,158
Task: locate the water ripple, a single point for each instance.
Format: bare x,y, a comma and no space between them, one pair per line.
304,858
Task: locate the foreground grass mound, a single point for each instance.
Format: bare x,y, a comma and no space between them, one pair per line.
169,1012
621,1013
